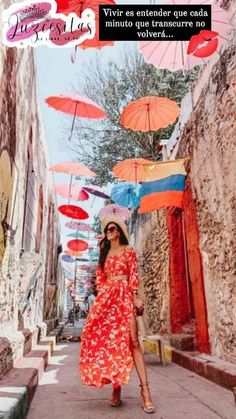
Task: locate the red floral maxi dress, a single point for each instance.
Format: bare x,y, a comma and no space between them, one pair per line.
105,355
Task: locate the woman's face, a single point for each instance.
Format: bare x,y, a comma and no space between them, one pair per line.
112,232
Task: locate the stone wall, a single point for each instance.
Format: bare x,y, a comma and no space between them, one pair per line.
208,137
23,276
149,238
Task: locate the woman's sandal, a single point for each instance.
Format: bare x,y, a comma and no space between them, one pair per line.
115,398
147,405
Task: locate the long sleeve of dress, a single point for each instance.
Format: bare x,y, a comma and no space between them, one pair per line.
100,278
133,271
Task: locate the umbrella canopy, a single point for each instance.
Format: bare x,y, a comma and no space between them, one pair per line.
172,55
77,245
126,194
72,192
72,211
149,113
76,105
72,168
77,235
78,226
82,260
96,190
84,267
115,210
131,170
68,259
72,253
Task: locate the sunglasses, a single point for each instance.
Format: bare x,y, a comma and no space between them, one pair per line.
110,230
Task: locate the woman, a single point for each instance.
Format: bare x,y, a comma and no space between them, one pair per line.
110,344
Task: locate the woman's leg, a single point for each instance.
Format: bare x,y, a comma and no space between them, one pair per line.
139,362
115,397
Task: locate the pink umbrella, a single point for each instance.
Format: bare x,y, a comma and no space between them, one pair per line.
172,55
72,192
96,190
116,210
75,105
78,226
73,168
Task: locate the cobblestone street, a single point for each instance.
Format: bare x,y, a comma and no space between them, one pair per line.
177,392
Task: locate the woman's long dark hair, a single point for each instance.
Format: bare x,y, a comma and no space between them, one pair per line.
105,245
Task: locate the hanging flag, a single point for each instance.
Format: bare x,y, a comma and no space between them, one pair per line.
163,186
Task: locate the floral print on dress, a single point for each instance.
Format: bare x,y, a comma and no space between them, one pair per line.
105,355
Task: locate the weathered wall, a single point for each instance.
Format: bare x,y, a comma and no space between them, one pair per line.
23,276
209,138
149,237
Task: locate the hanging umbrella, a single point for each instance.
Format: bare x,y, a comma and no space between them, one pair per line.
72,192
84,267
75,105
82,260
72,168
131,170
172,55
96,190
78,226
149,113
72,211
77,235
115,210
72,253
68,259
77,245
126,194
78,6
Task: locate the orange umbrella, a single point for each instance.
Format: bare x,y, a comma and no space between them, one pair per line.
76,105
131,170
149,113
72,168
72,253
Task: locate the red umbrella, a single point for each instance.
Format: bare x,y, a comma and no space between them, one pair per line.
72,211
77,106
77,245
78,6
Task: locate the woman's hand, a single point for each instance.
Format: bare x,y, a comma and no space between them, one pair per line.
139,306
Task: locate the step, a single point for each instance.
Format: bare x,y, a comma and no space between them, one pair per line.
182,341
18,386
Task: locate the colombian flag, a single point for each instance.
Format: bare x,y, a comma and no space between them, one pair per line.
163,186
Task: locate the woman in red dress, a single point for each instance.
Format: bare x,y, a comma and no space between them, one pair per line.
109,343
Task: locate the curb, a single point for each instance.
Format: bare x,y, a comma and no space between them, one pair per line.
18,386
214,369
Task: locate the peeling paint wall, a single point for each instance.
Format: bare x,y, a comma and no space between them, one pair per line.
24,283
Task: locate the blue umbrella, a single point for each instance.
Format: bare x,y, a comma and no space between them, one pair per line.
126,194
68,259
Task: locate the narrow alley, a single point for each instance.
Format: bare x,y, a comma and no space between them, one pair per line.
177,392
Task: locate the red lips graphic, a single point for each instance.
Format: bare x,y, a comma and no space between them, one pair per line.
210,41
